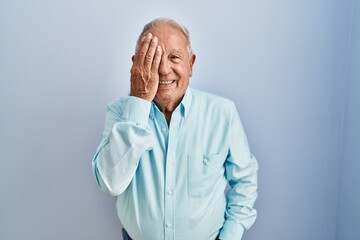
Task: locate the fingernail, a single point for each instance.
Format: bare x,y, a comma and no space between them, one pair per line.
149,35
154,39
158,48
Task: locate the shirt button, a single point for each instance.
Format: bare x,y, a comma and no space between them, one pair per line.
168,225
164,130
171,160
206,160
170,192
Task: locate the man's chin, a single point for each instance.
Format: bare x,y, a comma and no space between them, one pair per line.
162,98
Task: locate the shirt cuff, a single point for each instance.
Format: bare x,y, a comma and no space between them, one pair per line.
231,231
137,110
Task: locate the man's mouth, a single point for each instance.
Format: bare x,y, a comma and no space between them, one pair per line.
166,82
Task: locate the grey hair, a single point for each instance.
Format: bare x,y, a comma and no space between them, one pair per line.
170,22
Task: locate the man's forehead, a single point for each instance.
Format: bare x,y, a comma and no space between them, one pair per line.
166,33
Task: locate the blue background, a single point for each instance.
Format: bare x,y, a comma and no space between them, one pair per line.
292,67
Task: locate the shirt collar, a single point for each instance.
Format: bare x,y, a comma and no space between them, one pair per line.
184,105
186,102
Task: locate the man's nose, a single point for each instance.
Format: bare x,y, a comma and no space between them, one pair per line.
164,68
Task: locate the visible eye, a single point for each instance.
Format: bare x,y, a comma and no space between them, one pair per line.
175,58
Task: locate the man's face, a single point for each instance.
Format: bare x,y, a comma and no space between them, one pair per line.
175,67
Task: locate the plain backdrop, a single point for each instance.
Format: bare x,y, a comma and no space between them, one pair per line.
292,68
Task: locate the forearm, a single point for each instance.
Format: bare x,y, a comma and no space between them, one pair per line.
128,137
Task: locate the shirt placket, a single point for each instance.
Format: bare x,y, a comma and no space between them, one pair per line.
170,191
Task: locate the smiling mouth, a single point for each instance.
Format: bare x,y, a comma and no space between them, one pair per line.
166,82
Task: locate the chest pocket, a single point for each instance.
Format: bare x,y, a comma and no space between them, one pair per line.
203,173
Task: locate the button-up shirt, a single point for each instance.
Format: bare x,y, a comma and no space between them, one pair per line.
170,180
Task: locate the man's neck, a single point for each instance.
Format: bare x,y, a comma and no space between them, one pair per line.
167,109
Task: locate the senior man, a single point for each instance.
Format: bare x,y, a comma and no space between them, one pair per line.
168,151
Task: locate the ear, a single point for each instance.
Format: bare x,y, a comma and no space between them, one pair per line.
191,62
132,58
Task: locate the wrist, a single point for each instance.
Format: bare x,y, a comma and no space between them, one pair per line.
143,96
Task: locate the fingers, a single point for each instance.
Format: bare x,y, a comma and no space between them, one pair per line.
150,53
145,53
143,48
156,61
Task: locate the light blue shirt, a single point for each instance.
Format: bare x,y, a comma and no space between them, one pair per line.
170,181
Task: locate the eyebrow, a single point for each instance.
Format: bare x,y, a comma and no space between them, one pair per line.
174,50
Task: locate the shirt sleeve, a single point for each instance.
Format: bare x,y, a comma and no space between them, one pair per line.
241,171
126,137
